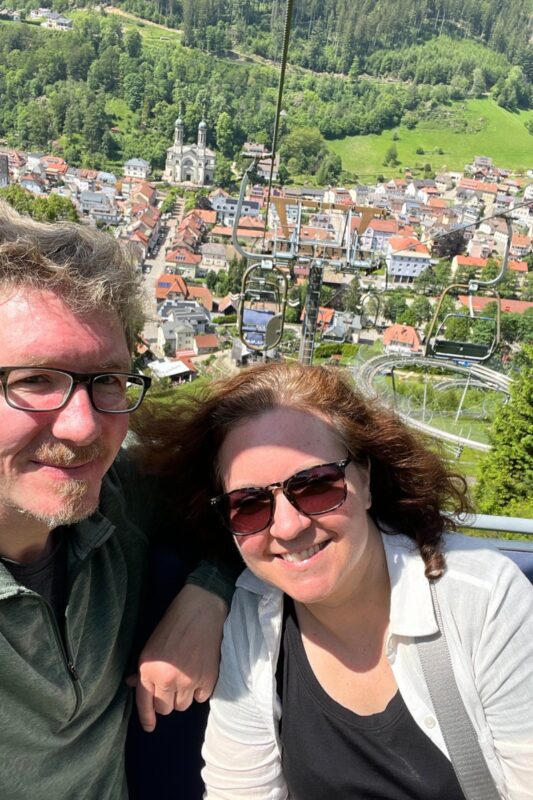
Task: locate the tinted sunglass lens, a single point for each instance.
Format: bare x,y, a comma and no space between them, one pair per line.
318,490
249,511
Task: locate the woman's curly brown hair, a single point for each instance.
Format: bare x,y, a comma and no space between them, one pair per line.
413,492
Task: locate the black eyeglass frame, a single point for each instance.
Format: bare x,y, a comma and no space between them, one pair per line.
76,378
217,502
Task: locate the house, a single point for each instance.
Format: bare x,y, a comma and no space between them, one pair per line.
482,162
186,311
143,193
344,327
379,231
520,246
228,306
205,343
39,13
33,184
486,192
100,207
190,163
214,257
55,168
406,258
480,246
137,168
57,22
401,339
519,267
207,216
201,295
226,208
186,262
179,370
468,262
170,287
264,162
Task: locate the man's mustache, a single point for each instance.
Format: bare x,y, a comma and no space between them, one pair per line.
57,454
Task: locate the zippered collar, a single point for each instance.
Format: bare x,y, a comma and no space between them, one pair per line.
84,537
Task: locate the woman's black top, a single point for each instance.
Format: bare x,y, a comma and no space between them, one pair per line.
329,751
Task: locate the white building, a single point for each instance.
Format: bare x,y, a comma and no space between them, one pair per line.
214,257
57,22
406,258
137,168
190,163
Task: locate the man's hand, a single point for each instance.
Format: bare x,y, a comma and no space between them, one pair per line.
180,661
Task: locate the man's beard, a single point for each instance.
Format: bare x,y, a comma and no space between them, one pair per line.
72,491
73,509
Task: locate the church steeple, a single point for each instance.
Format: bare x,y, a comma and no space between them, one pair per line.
202,135
178,133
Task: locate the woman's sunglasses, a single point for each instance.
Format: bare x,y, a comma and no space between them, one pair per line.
312,491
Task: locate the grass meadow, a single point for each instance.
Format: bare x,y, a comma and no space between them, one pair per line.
462,131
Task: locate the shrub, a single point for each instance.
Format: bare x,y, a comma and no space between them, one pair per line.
225,319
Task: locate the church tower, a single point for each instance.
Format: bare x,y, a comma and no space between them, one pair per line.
202,135
178,134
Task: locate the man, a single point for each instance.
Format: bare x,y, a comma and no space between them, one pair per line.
75,523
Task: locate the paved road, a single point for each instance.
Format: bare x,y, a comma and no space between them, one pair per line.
157,268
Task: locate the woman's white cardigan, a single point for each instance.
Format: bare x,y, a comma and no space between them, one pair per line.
487,609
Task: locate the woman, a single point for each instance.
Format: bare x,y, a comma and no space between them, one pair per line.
338,512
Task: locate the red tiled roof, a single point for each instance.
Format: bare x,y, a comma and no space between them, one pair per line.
521,241
518,266
168,283
402,334
182,255
242,233
139,236
207,217
400,243
514,306
471,261
384,225
478,186
207,340
325,316
187,362
252,223
226,302
202,295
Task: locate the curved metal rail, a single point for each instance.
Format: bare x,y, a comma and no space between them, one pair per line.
367,372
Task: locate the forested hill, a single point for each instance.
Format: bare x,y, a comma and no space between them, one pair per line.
339,35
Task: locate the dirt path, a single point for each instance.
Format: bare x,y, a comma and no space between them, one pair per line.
119,12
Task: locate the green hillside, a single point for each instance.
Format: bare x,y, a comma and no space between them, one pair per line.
464,130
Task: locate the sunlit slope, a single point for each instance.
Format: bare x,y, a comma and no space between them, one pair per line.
462,131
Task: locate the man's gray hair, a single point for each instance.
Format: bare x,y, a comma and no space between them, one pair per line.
90,270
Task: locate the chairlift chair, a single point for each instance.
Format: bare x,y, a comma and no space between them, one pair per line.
438,346
470,351
262,329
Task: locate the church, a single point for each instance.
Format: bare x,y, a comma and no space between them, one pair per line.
190,163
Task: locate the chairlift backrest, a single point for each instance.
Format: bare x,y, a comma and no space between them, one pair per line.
439,346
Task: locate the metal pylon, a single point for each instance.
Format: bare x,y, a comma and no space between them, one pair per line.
312,305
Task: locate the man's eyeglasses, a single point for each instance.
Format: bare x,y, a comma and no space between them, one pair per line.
312,491
43,389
